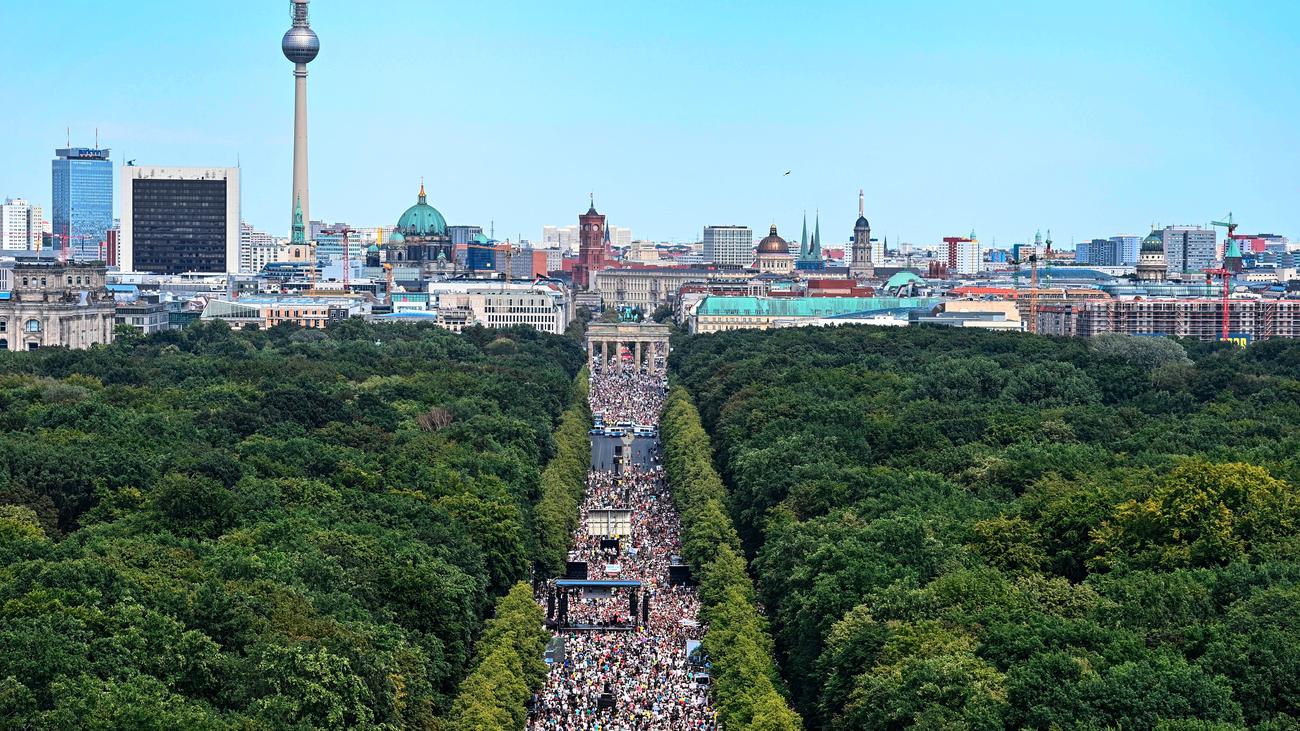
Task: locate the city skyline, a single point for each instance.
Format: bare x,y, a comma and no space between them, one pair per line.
1090,122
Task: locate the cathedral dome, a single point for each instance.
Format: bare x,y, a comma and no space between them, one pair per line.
773,244
421,219
1153,242
861,224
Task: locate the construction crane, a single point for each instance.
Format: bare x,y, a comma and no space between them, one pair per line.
1228,224
347,254
1226,276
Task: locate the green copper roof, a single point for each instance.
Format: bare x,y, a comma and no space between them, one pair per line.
806,306
902,279
1153,242
422,219
1234,251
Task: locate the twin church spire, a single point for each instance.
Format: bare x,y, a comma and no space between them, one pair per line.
811,251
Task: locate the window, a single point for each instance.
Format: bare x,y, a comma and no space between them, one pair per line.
4,344
4,326
33,326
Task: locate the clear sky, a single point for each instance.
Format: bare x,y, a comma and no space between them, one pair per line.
1089,118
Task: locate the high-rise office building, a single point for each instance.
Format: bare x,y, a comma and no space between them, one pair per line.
256,249
620,236
20,225
179,220
462,235
962,254
83,201
1130,248
1189,248
729,246
1100,252
565,238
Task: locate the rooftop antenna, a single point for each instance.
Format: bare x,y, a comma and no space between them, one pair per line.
96,138
69,131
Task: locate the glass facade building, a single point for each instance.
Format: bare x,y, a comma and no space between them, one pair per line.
179,225
83,201
180,220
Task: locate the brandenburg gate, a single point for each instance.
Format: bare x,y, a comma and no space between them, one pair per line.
646,343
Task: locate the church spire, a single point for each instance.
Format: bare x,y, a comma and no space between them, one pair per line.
815,253
803,238
299,230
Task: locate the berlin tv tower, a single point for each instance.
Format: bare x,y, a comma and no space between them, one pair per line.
300,45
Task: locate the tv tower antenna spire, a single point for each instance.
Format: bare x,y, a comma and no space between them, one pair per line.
300,45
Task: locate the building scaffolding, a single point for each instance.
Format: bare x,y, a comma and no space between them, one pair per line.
1202,318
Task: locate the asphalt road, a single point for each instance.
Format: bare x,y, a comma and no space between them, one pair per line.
602,451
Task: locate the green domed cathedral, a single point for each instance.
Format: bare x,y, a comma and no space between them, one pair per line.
420,238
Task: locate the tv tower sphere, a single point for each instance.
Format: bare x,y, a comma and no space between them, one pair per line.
300,45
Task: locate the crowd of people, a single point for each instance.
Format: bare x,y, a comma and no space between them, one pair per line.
632,673
625,396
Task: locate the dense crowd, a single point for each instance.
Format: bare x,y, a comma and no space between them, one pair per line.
640,669
626,396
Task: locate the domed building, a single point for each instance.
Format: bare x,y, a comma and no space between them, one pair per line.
420,239
1152,266
773,255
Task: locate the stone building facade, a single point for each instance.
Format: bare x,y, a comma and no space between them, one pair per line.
53,304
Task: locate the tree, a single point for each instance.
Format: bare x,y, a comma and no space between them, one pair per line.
1201,514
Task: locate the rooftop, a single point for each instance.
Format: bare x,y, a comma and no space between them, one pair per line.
806,306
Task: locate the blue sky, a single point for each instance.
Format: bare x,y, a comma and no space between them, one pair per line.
1089,118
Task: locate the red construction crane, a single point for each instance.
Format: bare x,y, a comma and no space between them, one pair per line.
1226,276
347,254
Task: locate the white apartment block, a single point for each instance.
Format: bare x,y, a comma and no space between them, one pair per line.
564,238
20,225
620,236
729,245
256,249
540,306
963,255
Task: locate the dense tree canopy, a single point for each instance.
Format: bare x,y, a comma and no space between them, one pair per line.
278,529
980,530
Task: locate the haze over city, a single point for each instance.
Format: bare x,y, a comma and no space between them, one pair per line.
1091,120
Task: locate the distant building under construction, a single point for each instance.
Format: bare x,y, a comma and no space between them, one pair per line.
1258,319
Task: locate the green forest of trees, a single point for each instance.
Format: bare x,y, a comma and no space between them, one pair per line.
748,691
957,529
279,529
